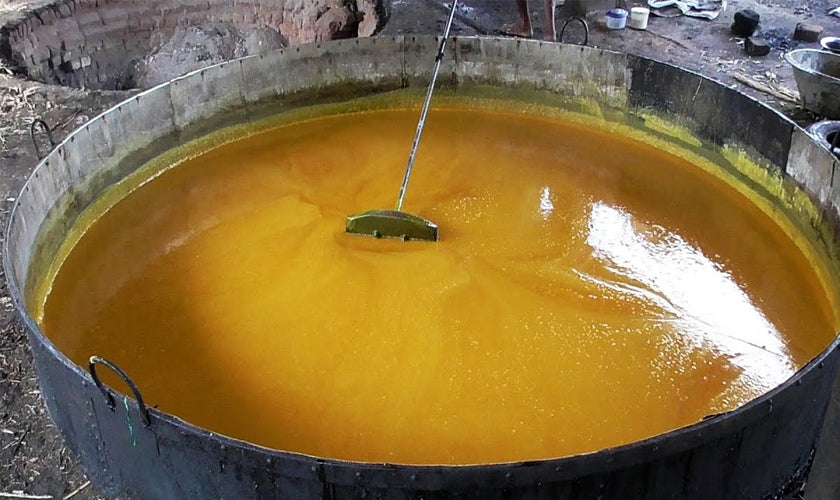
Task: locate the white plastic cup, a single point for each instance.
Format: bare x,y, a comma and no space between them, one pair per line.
639,18
616,19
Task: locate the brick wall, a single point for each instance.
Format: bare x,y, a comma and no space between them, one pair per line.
93,43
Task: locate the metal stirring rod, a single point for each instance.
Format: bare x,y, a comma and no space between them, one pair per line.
422,123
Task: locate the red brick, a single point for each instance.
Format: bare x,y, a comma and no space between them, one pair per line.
135,22
147,22
34,71
88,18
112,42
114,15
46,16
26,46
132,8
83,5
96,31
47,38
68,32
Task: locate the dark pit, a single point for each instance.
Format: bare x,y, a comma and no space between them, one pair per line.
125,44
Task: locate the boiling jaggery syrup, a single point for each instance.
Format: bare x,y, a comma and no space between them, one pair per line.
588,291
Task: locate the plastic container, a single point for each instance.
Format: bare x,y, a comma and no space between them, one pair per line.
616,19
639,18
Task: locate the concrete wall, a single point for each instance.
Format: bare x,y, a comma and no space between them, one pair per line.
92,43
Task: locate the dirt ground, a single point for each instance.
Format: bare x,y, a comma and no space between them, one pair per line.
33,460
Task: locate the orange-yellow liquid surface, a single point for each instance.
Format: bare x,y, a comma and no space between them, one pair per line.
588,291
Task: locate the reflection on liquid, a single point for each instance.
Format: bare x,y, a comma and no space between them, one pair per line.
546,206
702,301
577,300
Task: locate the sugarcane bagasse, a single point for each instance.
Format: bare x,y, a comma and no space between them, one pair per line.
588,291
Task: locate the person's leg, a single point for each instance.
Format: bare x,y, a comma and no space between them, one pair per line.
524,27
550,30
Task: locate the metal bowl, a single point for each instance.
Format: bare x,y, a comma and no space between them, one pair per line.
831,44
817,74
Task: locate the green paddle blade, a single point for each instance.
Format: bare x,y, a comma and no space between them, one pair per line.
392,224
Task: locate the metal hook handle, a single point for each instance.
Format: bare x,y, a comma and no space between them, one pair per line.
43,124
585,29
94,360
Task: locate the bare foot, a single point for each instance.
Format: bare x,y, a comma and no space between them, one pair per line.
518,30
